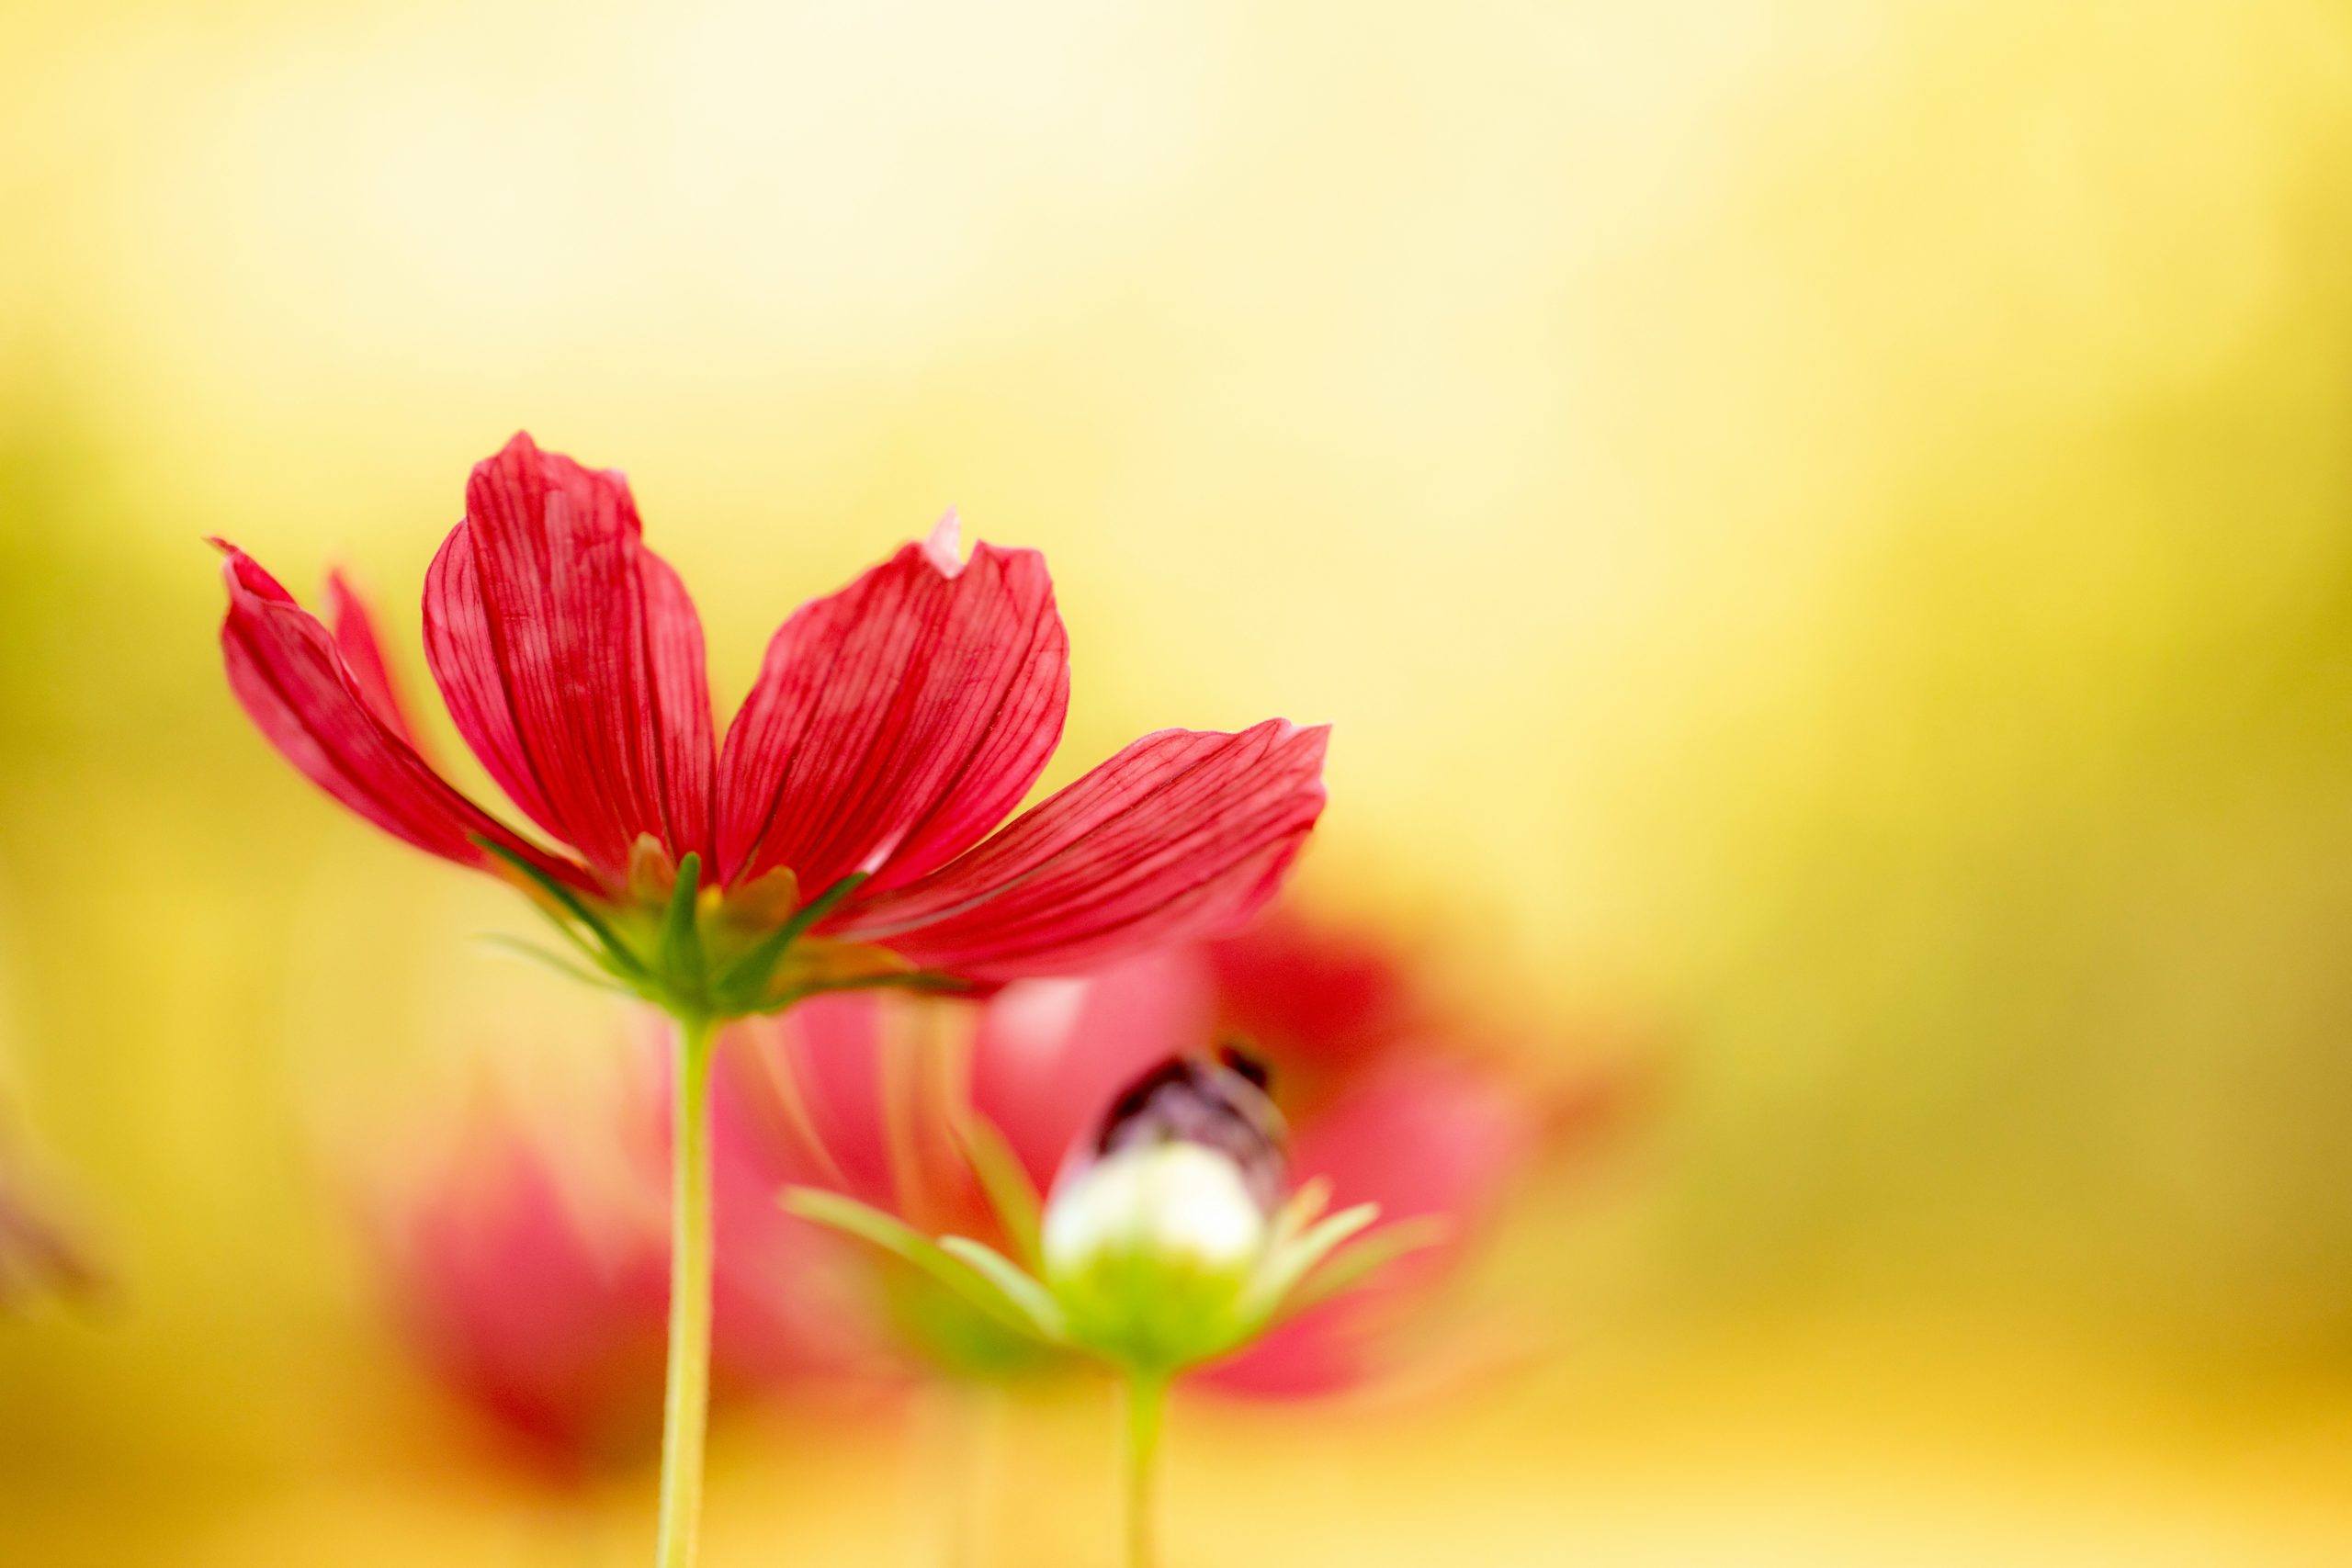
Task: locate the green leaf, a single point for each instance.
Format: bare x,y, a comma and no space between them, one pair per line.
1344,1270
1287,1264
902,1241
617,949
1019,1208
1045,1315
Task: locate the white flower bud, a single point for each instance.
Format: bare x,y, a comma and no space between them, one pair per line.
1162,1219
1184,1204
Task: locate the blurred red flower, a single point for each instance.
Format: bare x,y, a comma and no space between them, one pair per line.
534,1276
1388,1099
529,1268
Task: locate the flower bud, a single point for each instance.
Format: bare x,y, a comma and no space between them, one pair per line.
1159,1222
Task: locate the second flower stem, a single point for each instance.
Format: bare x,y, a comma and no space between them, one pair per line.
686,1407
1146,1401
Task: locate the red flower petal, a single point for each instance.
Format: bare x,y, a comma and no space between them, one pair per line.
457,650
1184,833
572,658
1313,994
286,672
896,722
363,655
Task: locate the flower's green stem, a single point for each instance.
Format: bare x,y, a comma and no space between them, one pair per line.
1147,1399
685,1409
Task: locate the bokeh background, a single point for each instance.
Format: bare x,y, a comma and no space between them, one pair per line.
1825,529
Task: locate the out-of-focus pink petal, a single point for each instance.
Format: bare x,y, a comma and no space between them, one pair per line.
788,1299
858,1096
1050,1055
572,658
1183,834
822,1096
286,672
1424,1136
804,1090
544,1313
1311,995
534,1270
353,624
897,721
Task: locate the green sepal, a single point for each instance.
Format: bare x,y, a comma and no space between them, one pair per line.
1302,1209
1285,1265
744,982
1018,1284
581,944
902,1241
1354,1266
555,961
627,962
681,945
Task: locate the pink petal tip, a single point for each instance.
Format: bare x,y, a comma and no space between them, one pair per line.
944,548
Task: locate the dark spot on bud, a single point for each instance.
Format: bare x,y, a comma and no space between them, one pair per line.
1238,1057
1219,1103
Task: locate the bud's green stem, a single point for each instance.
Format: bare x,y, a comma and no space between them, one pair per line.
1147,1399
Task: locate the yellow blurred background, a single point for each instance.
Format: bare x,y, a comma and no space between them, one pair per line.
1825,530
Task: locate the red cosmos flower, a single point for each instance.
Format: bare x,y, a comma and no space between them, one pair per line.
1381,1100
892,727
846,833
